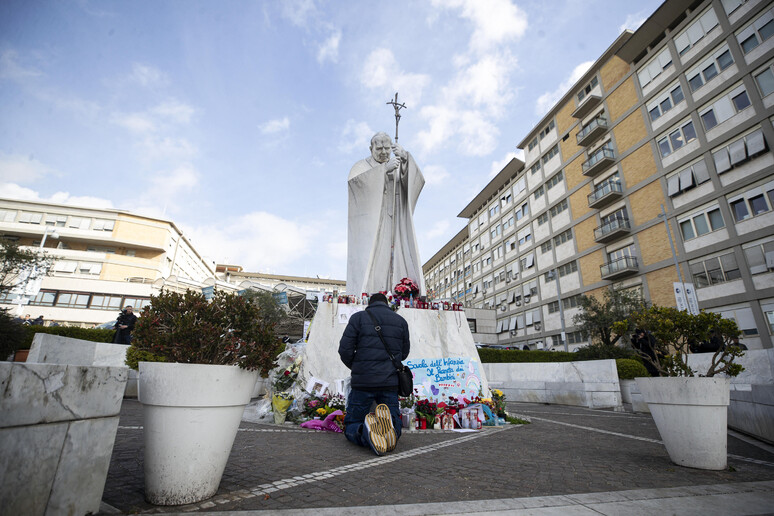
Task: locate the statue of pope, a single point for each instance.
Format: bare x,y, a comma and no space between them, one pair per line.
383,192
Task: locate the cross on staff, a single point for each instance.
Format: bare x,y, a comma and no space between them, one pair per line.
394,103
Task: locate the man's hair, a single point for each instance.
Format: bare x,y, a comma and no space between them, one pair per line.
380,135
377,297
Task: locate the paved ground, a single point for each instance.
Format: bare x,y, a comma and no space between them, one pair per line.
570,460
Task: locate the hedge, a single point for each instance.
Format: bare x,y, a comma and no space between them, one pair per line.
74,332
496,356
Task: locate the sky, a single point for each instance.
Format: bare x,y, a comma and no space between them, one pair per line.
240,120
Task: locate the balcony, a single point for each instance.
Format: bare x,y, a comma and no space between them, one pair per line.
592,131
612,230
619,268
598,160
605,193
588,103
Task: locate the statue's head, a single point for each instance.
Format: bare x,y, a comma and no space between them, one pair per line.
381,147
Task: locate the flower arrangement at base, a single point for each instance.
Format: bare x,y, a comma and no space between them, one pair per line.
427,410
280,403
498,399
406,289
407,402
285,380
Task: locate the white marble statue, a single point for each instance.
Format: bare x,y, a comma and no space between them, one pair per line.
373,264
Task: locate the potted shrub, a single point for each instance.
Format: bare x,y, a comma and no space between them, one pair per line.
198,362
689,407
629,369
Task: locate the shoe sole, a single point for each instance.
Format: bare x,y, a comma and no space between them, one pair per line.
384,417
375,437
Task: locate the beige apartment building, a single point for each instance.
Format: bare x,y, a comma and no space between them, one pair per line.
103,260
665,143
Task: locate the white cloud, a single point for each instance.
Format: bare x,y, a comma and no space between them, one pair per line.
11,69
147,76
329,50
168,147
134,122
356,136
382,72
495,21
22,169
299,12
175,111
278,125
497,166
14,191
435,174
547,100
633,21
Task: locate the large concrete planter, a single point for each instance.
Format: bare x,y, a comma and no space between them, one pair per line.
631,394
691,416
191,415
57,429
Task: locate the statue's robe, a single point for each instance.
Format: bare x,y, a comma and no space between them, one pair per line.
370,220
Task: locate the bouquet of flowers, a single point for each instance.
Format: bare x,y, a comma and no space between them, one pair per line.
406,289
452,403
407,402
280,402
498,399
427,409
284,380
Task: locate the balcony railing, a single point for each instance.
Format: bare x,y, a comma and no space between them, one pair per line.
598,160
619,267
592,131
612,230
605,193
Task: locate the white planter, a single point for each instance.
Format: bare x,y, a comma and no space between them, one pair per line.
631,394
691,416
191,415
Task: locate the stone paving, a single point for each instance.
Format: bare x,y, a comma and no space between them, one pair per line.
565,451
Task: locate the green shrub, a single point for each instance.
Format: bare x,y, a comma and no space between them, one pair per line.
603,352
496,356
12,334
74,332
629,369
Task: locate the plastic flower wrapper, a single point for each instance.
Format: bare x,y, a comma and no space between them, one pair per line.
280,403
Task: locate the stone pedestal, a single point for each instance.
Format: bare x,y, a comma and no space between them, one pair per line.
57,431
434,334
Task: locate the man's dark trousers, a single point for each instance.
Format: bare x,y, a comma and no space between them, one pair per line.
359,405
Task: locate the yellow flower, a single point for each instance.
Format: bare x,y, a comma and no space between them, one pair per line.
321,411
498,392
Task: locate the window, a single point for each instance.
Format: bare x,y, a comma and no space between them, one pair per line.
507,198
575,337
497,230
725,107
533,143
665,101
564,236
44,298
571,302
525,235
567,268
587,89
699,224
718,61
138,303
546,246
72,300
713,271
550,154
520,186
754,202
547,129
555,180
27,217
765,81
758,32
103,225
522,211
508,223
654,67
535,168
553,307
688,38
687,178
540,191
56,220
494,210
739,151
558,208
527,261
676,139
760,256
542,218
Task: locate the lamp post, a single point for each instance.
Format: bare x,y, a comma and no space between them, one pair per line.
54,235
552,274
33,291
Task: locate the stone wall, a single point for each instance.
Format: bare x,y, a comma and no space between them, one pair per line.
592,384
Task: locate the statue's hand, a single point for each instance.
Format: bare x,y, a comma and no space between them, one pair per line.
392,164
400,152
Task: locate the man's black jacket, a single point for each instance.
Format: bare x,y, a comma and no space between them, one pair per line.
362,351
